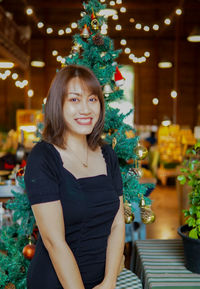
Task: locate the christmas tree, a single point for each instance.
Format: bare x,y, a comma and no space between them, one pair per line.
92,49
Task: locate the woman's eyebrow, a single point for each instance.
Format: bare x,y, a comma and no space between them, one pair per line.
79,94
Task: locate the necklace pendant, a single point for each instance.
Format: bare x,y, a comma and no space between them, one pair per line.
85,165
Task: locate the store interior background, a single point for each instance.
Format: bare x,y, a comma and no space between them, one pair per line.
21,42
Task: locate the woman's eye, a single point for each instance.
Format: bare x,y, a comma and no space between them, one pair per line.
74,99
93,99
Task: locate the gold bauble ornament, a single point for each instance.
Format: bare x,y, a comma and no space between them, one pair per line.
147,215
29,250
114,142
95,24
141,152
128,214
10,286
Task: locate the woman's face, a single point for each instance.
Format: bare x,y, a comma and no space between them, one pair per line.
81,108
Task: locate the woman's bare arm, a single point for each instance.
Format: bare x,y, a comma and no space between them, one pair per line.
115,249
50,222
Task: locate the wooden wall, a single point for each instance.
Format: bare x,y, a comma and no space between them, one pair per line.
149,79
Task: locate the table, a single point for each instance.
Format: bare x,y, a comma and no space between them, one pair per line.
128,280
160,265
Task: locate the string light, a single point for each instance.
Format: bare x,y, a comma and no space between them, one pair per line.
112,3
61,32
29,11
127,50
68,30
54,52
147,54
146,28
173,94
40,24
156,27
155,101
14,76
167,21
178,11
119,1
74,25
102,1
49,30
123,42
59,58
131,56
132,20
30,93
122,9
118,27
138,26
115,17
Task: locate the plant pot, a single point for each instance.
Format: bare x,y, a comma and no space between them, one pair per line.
191,250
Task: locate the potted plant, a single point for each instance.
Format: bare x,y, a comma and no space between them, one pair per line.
190,232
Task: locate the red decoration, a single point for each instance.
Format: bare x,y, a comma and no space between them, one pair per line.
119,79
93,15
29,251
35,233
8,166
20,173
23,164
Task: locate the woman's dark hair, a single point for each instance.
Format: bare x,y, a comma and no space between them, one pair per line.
55,127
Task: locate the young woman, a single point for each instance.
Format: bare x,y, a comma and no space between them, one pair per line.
74,187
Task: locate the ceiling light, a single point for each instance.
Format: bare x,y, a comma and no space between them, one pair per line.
115,17
68,30
29,11
54,52
30,93
155,101
178,11
6,64
138,26
37,63
167,21
123,42
155,27
165,64
147,54
146,28
194,35
14,76
49,30
74,25
40,24
118,27
173,94
107,12
122,9
61,32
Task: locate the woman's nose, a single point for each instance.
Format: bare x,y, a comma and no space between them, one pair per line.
85,108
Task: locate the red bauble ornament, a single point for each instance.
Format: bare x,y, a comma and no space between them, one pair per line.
29,251
20,173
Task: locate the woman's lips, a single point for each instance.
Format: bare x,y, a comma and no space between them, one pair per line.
84,121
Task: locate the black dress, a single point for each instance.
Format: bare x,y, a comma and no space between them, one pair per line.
89,206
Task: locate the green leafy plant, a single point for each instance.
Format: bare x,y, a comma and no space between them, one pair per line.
191,176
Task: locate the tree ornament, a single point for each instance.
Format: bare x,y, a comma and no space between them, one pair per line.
10,286
76,48
20,173
114,142
147,215
103,136
95,24
107,89
128,214
136,172
29,250
98,40
141,152
103,53
85,32
83,13
119,79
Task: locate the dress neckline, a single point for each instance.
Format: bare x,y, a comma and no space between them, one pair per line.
89,177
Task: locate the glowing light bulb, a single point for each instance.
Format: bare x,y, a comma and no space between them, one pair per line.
61,32
132,20
179,11
118,27
127,50
146,28
59,58
68,30
25,82
30,93
173,94
29,11
138,26
156,27
131,56
155,101
14,76
115,17
122,9
119,1
147,54
123,42
54,52
40,24
112,3
167,21
49,30
74,25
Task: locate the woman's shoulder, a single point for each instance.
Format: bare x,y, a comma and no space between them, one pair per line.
41,151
